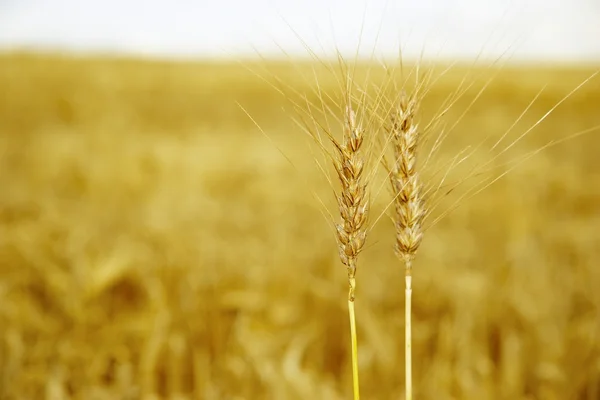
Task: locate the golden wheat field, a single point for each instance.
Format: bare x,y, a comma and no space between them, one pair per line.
154,244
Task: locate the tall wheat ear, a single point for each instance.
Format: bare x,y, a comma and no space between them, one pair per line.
342,128
349,154
353,205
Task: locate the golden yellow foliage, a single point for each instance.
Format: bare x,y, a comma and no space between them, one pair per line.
153,244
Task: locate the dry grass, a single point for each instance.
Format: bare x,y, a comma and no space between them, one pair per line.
154,244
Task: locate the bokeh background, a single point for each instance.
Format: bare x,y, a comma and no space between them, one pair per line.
156,244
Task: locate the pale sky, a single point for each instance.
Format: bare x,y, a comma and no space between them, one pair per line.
526,29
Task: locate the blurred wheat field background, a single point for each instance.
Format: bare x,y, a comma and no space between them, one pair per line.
155,245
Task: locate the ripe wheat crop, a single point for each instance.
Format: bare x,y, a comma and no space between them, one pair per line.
153,245
393,115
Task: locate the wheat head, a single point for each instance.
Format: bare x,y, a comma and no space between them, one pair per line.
352,199
409,205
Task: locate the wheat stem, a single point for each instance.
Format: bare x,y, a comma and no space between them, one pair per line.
408,330
353,338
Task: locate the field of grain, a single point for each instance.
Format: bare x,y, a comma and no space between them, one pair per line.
154,244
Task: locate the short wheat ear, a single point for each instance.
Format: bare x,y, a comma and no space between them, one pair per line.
409,205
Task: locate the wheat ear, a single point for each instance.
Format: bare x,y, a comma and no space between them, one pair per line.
353,206
409,205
